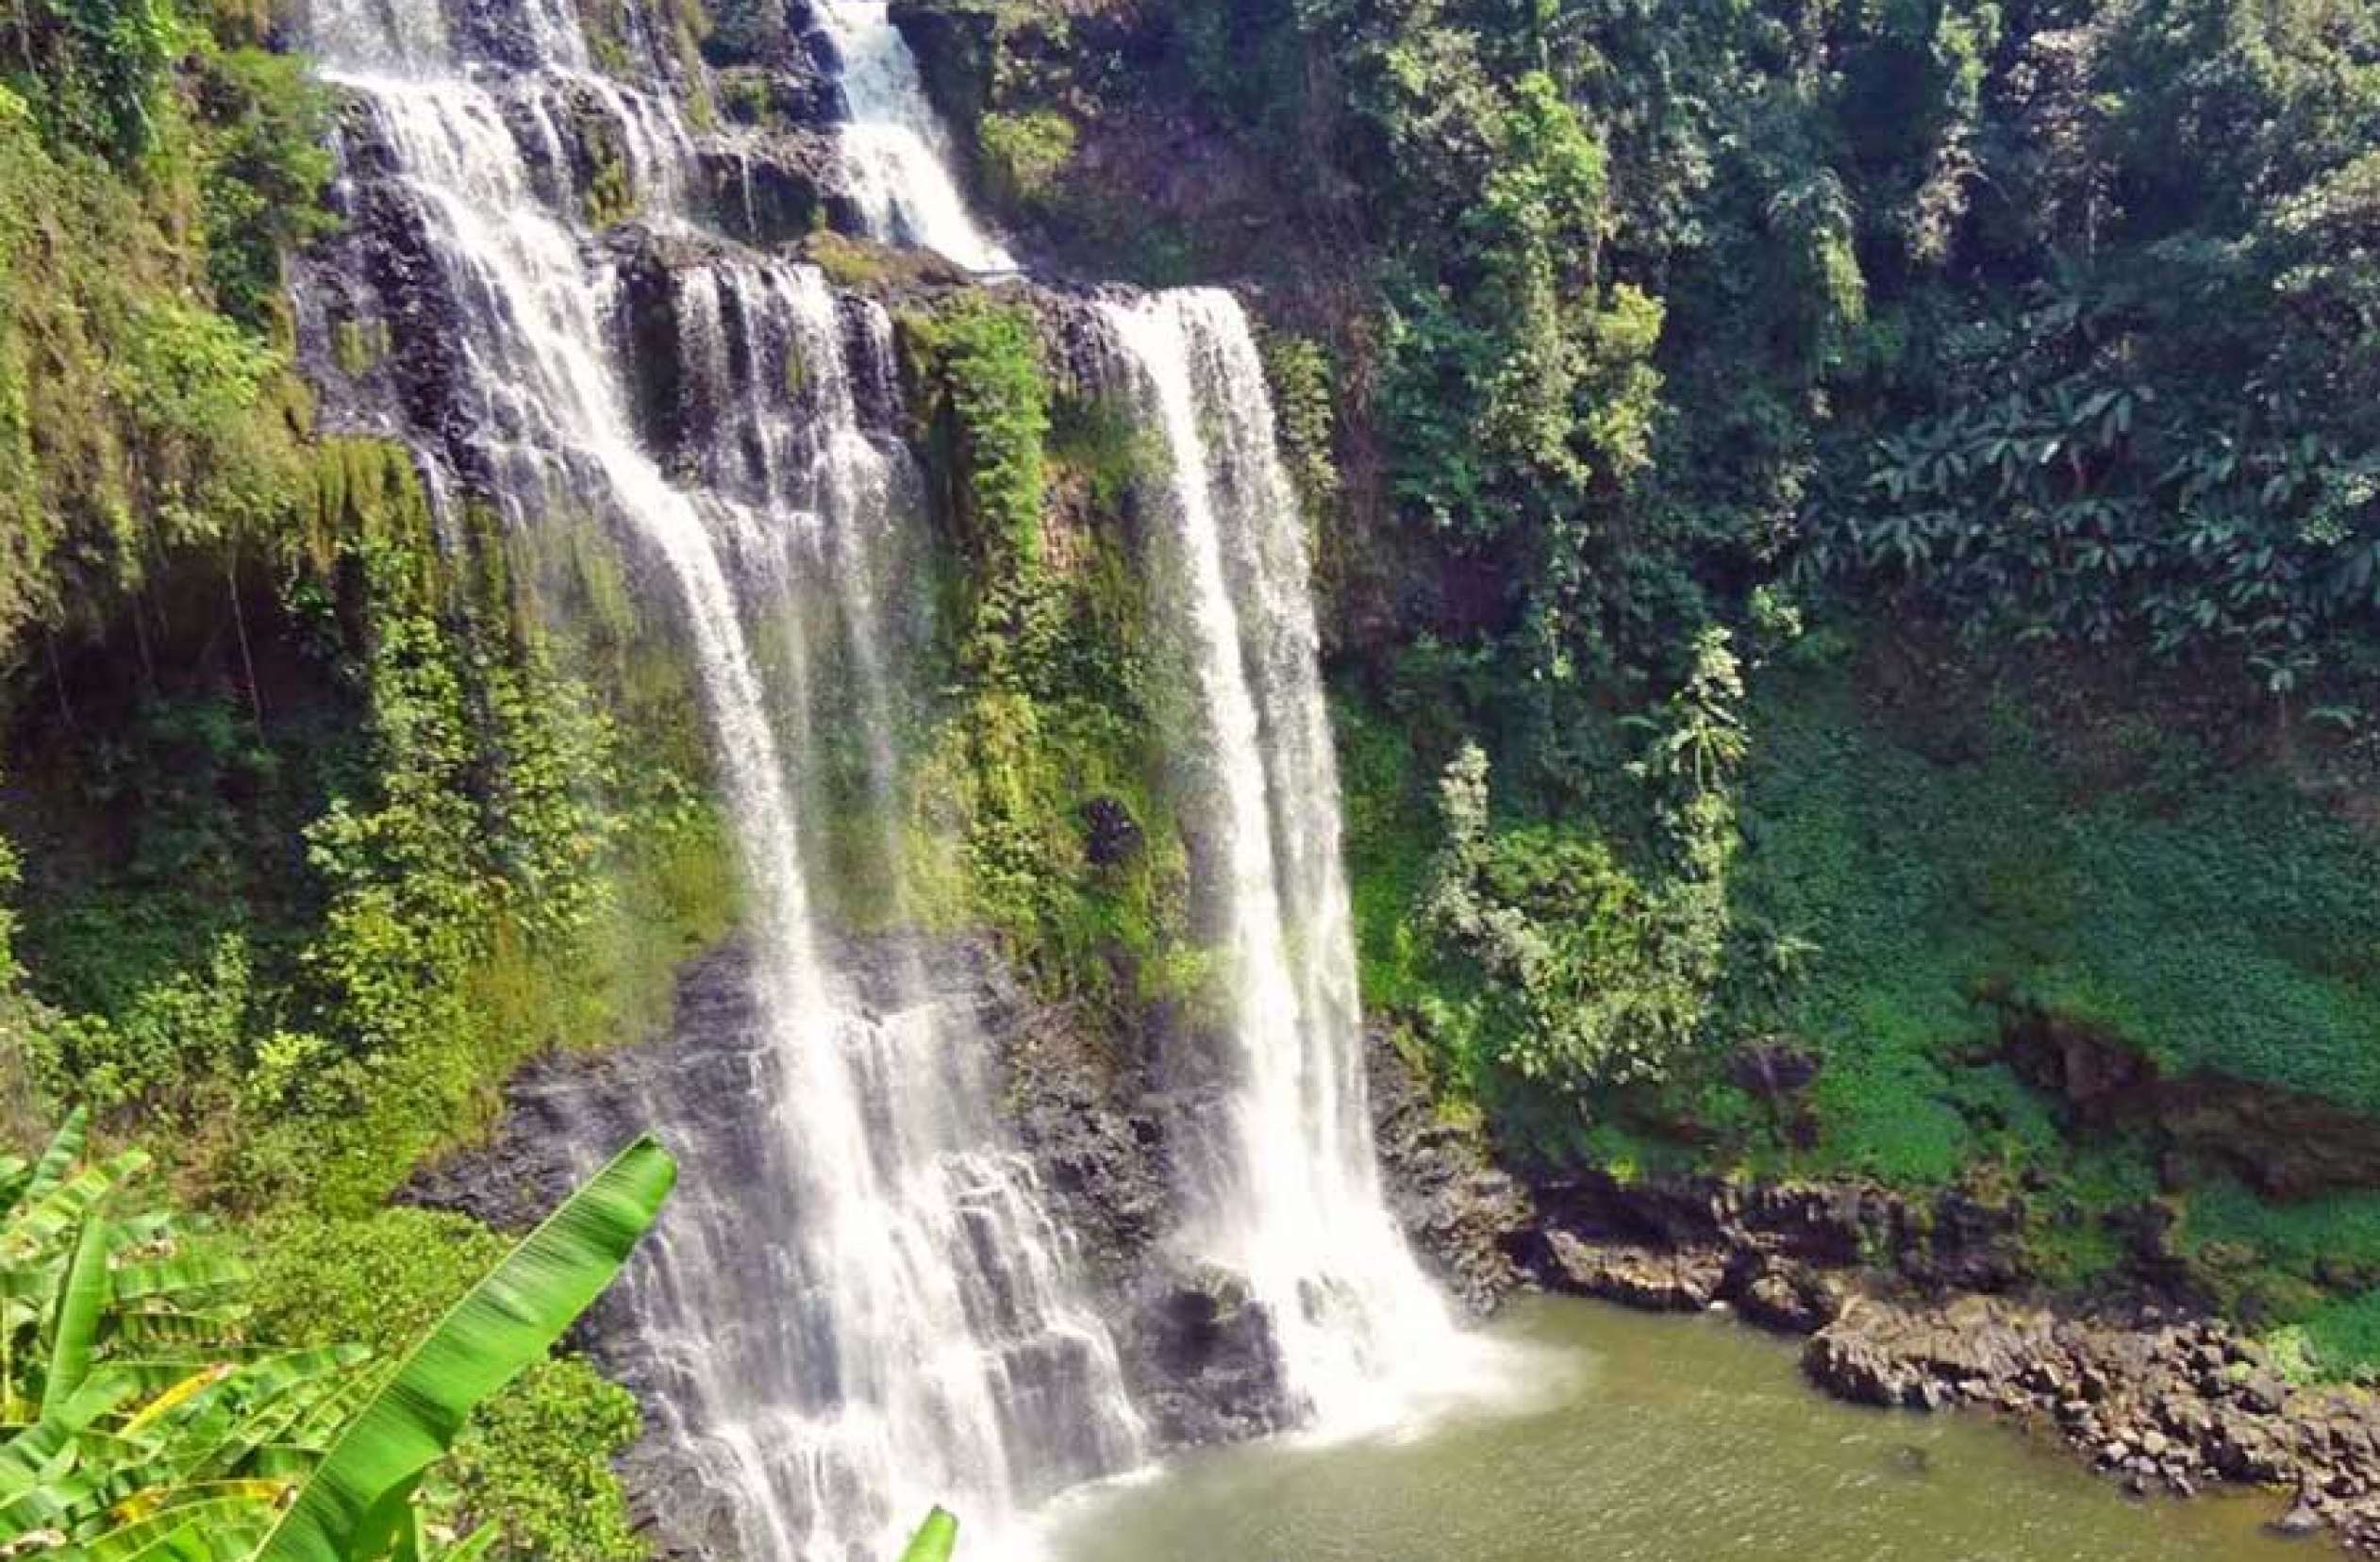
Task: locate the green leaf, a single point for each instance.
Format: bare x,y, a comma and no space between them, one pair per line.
183,1275
66,1146
43,1219
503,1324
80,1302
934,1538
212,1526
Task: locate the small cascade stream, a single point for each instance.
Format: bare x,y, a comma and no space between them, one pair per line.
893,144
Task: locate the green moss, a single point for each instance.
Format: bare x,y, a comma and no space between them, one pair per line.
1048,722
1025,155
357,345
1391,837
1304,415
2344,1337
302,946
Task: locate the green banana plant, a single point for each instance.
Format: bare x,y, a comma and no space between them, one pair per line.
138,1425
357,1501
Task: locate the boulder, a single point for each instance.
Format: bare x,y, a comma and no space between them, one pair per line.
1203,1360
1688,1280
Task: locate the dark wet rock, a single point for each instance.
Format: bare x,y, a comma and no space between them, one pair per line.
379,325
1110,835
956,46
772,188
1773,1068
1684,1280
1077,1102
1970,1245
774,38
1467,1219
773,98
497,31
1877,1354
1788,1295
674,1507
1201,1360
1826,1223
664,396
2285,1145
2150,1399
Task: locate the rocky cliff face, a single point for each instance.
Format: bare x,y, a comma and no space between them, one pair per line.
1095,1114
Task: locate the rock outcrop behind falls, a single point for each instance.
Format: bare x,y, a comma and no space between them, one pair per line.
1473,1225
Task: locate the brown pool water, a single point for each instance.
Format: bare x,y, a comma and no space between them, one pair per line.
1659,1439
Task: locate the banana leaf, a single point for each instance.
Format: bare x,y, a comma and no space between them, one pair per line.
472,1546
189,1542
66,1147
213,1529
176,1328
80,1305
183,1392
41,1222
934,1538
224,1423
16,1173
186,1276
503,1324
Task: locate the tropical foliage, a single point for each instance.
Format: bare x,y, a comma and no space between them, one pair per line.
143,1422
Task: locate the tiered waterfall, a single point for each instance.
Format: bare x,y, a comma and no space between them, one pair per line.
859,1305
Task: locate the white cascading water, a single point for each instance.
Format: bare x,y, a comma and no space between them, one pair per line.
893,145
1295,1201
865,1309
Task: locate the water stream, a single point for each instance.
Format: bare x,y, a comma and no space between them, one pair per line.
893,145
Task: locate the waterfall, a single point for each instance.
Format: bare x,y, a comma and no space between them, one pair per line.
1292,1197
893,145
858,1304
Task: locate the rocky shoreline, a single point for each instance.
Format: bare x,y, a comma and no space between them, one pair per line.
1900,1307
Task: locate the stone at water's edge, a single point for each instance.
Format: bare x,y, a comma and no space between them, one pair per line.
2154,1397
2172,1404
1684,1280
1203,1360
1473,1225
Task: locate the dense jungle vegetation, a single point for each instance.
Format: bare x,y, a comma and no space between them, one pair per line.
1851,535
1851,531
310,841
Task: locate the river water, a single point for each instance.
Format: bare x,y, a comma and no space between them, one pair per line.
1657,1439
